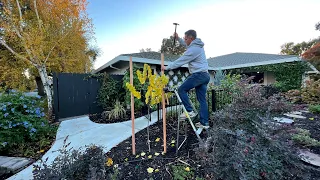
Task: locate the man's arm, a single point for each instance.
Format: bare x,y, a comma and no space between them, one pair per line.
188,56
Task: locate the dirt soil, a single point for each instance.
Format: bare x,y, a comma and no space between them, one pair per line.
135,166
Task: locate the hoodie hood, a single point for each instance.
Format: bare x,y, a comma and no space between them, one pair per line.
197,42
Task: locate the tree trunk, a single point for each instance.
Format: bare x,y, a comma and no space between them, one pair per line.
46,85
40,86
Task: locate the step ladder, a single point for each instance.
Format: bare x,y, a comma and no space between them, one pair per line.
183,120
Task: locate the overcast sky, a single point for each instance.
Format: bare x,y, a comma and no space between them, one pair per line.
225,26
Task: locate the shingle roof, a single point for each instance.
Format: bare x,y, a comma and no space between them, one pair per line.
244,59
153,55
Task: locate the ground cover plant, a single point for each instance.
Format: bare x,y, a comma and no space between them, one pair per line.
24,128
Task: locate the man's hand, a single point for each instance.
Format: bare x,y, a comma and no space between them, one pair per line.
163,68
175,35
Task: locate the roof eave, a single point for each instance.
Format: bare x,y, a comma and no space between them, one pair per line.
278,61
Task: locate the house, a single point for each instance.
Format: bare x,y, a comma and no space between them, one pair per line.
241,60
238,60
120,64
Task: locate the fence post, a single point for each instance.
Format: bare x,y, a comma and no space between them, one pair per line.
55,97
213,99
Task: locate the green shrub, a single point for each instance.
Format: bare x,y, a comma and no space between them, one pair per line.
180,172
109,92
303,137
314,108
138,103
75,164
311,93
227,90
23,127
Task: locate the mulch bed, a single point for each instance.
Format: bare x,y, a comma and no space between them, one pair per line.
311,123
132,167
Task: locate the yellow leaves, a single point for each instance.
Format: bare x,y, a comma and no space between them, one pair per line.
137,156
311,119
156,154
158,139
187,169
132,89
126,159
163,153
150,156
150,170
143,154
41,151
156,84
157,170
109,162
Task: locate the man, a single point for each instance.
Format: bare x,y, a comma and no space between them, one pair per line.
199,78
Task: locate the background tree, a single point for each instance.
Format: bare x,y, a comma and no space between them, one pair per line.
145,50
298,49
167,47
46,36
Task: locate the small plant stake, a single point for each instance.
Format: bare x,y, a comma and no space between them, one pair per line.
132,110
164,111
153,96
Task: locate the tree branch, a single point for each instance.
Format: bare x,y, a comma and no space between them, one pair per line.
20,15
54,47
36,9
15,53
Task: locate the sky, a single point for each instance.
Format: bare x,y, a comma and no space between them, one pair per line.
225,26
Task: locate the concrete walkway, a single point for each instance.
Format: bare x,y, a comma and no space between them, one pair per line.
82,132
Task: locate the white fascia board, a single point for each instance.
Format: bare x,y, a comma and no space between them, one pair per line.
137,60
278,61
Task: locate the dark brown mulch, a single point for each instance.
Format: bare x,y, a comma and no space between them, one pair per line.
98,118
132,167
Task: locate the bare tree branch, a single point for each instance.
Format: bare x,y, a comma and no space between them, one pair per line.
20,15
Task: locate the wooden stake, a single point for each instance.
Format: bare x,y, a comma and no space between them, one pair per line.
164,112
132,110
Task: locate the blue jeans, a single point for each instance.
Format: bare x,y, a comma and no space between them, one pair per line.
199,81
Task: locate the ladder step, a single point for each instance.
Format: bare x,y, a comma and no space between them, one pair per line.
199,130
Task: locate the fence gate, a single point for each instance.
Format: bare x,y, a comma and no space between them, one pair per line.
75,95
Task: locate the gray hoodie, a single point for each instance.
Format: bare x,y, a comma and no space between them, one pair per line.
194,56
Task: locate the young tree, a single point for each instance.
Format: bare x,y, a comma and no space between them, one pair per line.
168,47
43,31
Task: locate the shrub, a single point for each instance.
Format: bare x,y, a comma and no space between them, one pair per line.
269,90
314,108
117,112
138,103
246,143
109,92
303,137
218,77
293,96
180,172
74,164
22,122
311,93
